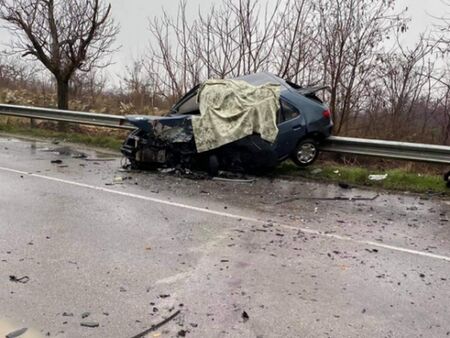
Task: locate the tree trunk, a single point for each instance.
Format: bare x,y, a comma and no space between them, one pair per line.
63,100
63,94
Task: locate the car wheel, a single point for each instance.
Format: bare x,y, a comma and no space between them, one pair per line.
305,153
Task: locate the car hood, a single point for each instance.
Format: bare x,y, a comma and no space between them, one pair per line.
172,129
148,123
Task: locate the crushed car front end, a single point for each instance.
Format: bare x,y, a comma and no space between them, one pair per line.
160,141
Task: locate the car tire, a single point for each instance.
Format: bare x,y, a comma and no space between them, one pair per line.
305,153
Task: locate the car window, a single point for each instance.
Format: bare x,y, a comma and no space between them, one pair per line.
287,112
188,103
190,106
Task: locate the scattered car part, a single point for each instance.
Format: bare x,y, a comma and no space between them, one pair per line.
91,325
22,280
16,333
344,185
233,180
157,326
378,177
337,198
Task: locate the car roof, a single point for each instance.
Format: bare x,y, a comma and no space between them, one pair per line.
262,78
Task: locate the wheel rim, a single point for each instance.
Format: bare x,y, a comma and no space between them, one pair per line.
306,153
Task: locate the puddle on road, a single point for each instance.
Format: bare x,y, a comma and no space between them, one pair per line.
294,191
41,147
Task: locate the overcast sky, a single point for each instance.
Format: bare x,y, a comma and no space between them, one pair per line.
133,15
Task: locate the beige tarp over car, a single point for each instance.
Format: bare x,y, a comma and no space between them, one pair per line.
233,109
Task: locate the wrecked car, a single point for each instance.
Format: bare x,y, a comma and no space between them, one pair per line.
248,124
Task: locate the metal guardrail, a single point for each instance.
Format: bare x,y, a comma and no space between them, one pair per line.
93,119
388,149
344,145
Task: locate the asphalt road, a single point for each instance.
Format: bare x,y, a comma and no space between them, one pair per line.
273,258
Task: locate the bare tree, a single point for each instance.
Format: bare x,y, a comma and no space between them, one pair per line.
443,29
298,55
15,73
137,85
232,39
351,34
65,36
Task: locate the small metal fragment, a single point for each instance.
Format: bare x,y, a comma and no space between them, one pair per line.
16,333
90,324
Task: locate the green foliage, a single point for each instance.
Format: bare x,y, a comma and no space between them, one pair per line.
397,179
109,142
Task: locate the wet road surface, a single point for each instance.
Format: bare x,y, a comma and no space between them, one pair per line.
132,248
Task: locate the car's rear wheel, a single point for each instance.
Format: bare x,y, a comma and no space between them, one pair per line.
305,153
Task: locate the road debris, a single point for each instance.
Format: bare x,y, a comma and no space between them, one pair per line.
90,324
79,156
182,333
118,179
22,280
158,325
377,178
16,333
167,170
344,185
233,180
337,198
56,162
245,316
90,159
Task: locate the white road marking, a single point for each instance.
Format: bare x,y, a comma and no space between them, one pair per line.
230,215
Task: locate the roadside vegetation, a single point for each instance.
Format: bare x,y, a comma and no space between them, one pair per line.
49,131
404,178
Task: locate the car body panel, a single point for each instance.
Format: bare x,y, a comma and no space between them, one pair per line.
290,132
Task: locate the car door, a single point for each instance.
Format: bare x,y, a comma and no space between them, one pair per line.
292,127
